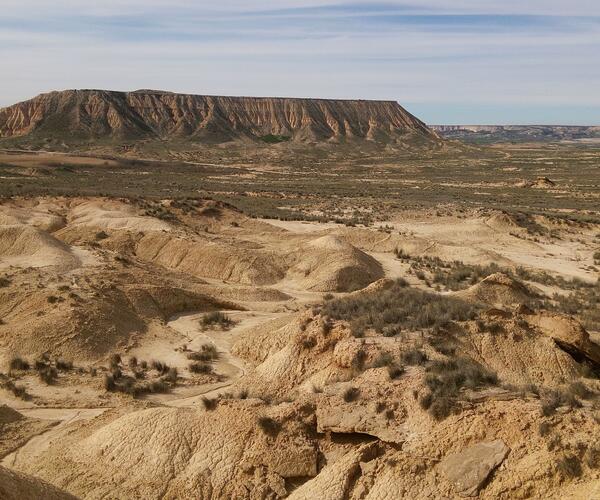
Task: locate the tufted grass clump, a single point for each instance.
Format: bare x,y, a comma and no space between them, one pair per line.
446,378
216,319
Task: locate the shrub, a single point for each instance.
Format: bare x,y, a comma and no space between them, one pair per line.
208,352
274,138
357,328
210,404
391,330
4,282
159,366
327,326
395,371
414,357
443,344
351,394
109,382
116,373
18,363
18,390
309,343
132,362
200,367
555,398
48,375
579,390
384,359
269,426
544,429
171,375
115,360
569,466
63,365
445,380
216,318
401,254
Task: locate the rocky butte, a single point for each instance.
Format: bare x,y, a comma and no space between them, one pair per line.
151,114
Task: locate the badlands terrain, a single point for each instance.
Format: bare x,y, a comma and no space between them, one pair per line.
292,312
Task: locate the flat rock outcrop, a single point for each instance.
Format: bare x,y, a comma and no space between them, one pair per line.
470,468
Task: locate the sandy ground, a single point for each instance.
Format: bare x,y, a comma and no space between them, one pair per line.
192,336
38,444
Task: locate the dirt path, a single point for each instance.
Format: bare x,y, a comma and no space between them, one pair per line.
228,365
188,325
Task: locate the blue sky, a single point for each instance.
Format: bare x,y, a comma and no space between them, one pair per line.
447,61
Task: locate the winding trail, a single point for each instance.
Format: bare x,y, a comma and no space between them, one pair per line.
188,325
227,365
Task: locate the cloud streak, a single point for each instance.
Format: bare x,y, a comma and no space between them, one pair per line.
471,59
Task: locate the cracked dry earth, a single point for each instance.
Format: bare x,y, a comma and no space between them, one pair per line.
205,354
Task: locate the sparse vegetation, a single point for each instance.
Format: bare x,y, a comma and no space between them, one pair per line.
216,318
569,466
207,352
210,403
414,356
48,375
446,379
399,306
553,399
18,364
200,367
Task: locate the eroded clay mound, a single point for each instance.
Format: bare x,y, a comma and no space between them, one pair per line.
26,246
18,486
498,290
88,327
251,266
37,217
183,453
330,264
112,215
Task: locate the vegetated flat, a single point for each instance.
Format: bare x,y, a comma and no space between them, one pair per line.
311,321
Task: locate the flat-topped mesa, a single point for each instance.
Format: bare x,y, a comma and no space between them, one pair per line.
146,114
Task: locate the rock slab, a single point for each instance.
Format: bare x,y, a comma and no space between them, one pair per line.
469,468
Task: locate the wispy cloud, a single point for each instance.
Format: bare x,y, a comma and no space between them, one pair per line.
475,59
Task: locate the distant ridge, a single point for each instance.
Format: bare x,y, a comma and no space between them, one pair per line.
519,133
155,114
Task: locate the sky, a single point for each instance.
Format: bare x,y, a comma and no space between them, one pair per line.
446,61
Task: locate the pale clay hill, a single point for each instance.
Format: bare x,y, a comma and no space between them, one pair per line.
498,401
147,114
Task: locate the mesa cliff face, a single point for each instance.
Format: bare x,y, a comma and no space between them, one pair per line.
95,114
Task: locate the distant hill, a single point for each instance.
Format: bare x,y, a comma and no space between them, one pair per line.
84,115
519,133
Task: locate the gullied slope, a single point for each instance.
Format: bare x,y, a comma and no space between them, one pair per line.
152,114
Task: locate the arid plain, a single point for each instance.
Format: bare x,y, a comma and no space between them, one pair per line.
300,313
